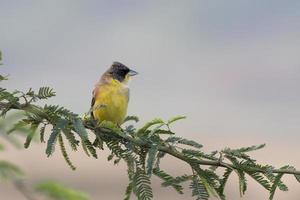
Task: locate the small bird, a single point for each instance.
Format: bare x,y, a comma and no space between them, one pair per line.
111,94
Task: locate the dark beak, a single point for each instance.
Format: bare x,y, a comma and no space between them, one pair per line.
132,73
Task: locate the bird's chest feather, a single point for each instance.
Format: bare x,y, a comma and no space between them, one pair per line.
113,99
114,95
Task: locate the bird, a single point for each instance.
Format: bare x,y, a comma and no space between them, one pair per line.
111,94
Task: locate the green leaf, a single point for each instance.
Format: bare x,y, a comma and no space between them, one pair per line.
116,161
190,143
2,78
251,148
116,149
42,133
210,181
199,154
297,176
9,170
141,184
60,125
151,158
79,128
111,126
236,153
128,191
71,138
81,131
155,130
98,143
57,191
270,175
242,181
45,93
169,180
30,135
55,111
275,185
64,152
130,161
149,124
88,148
260,179
18,126
183,178
198,189
176,118
131,118
129,130
164,132
241,175
173,139
110,157
34,116
85,149
223,182
179,140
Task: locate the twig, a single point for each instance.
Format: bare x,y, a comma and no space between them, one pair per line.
171,151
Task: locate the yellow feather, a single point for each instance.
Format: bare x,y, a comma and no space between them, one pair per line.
111,102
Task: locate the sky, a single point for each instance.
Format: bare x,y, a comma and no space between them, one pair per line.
231,67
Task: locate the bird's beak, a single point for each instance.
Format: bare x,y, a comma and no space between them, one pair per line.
132,73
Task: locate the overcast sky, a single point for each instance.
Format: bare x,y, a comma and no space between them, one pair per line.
233,67
230,62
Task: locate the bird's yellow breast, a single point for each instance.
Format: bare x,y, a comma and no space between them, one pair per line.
111,102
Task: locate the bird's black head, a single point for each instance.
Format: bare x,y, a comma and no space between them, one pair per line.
119,71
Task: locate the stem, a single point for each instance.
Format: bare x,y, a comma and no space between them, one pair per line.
171,151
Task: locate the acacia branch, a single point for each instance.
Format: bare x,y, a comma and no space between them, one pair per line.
173,152
143,149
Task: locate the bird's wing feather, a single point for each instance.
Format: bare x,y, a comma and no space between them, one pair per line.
127,94
95,92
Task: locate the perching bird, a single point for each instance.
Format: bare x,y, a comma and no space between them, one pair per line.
111,94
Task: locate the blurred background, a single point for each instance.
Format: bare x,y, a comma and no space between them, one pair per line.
232,67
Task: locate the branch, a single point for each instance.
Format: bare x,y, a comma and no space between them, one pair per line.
173,152
142,149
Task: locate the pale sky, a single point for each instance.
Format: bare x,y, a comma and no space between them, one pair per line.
232,67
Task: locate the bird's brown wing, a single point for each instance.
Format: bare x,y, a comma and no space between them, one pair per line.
127,94
92,104
95,92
